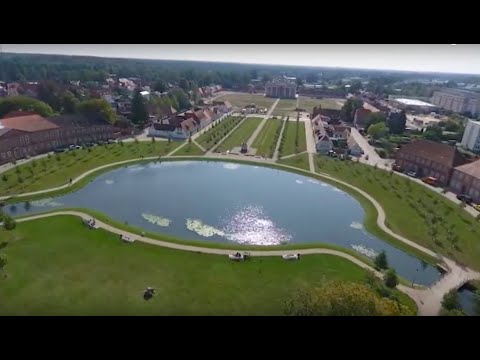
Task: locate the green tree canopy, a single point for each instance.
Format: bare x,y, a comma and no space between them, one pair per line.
378,130
391,279
24,103
97,107
160,86
381,261
451,301
182,100
348,109
68,102
397,122
375,118
139,109
433,133
339,298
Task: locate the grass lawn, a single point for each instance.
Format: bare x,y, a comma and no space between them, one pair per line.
294,131
414,211
266,141
45,173
308,103
285,106
77,271
300,161
241,135
189,149
215,134
242,99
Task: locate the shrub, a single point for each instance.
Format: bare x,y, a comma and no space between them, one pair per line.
4,177
9,223
451,301
381,261
391,279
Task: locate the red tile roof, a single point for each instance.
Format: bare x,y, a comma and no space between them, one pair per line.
439,153
30,123
18,113
472,169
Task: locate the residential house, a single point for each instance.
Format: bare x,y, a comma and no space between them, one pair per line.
338,132
145,94
323,144
428,158
223,106
466,180
353,147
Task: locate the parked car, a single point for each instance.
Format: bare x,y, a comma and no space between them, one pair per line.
397,167
467,199
112,141
476,207
412,174
59,150
430,180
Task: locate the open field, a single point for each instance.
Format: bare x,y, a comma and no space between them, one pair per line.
242,99
77,271
308,103
189,149
266,140
241,135
294,132
413,211
285,107
215,134
58,169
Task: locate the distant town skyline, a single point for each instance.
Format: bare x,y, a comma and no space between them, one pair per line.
446,58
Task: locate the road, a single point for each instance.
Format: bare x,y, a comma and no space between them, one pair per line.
368,150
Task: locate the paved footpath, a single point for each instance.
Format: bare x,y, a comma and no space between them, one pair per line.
261,125
279,140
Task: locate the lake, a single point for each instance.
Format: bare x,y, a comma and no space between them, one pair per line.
233,203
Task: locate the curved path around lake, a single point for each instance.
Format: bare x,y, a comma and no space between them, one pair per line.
428,301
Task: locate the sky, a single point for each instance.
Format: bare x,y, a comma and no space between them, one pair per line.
458,58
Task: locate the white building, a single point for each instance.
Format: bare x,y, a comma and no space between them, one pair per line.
471,136
413,104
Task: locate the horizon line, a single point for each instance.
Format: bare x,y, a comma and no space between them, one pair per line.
247,63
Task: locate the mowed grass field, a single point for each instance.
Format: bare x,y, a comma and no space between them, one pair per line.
294,133
77,271
309,103
266,141
57,169
241,134
285,107
242,99
412,210
215,134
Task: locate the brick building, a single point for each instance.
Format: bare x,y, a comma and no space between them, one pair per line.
466,180
428,158
33,134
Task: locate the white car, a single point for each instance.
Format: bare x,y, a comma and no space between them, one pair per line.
291,257
236,257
